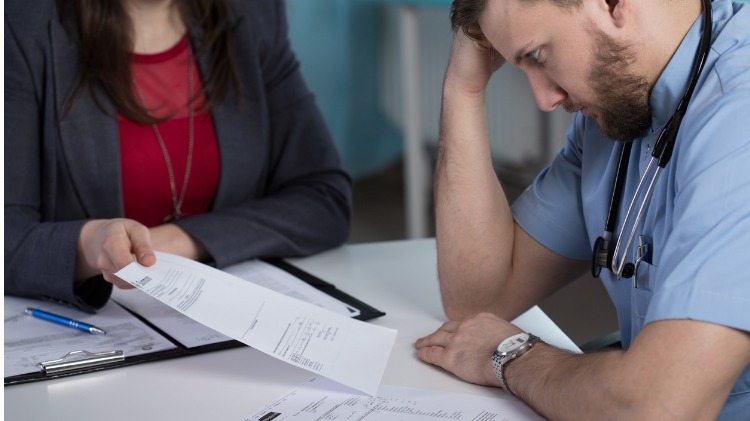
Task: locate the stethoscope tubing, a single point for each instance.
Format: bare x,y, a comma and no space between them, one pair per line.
661,155
616,267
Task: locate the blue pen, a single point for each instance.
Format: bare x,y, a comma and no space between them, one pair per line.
54,318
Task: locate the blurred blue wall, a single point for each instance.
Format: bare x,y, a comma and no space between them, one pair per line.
338,45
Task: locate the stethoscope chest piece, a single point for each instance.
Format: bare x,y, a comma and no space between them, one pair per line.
602,257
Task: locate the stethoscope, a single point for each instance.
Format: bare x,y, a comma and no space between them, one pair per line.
615,260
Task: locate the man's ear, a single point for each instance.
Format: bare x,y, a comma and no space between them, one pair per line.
618,11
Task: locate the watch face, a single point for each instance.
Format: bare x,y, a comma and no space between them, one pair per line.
513,342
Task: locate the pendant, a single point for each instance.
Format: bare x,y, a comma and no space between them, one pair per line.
172,218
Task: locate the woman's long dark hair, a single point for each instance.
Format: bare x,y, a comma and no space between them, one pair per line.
104,31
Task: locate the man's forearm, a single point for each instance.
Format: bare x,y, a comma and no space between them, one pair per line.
474,224
562,385
613,385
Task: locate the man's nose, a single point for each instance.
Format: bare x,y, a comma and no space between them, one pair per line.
547,93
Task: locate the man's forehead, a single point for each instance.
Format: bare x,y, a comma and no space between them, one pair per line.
511,25
506,22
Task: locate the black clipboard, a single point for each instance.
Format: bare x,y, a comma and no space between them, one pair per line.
91,362
81,361
366,311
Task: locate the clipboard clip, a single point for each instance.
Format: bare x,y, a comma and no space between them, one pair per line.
75,360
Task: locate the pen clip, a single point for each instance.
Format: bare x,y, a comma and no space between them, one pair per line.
641,252
80,359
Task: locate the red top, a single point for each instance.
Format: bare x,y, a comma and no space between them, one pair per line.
163,80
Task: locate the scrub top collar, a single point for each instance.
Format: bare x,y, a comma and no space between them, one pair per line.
673,81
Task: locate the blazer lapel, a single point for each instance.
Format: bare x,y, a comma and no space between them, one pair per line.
89,136
238,123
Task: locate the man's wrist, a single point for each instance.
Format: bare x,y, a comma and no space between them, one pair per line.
508,351
454,92
511,368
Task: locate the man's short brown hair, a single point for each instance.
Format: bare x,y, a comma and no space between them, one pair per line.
465,14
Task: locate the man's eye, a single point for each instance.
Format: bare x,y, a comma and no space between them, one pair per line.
534,55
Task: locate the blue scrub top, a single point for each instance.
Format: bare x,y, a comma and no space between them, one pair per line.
697,224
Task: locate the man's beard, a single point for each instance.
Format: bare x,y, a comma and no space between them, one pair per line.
621,106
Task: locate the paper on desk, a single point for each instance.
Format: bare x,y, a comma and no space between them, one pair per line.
319,399
29,341
348,351
192,334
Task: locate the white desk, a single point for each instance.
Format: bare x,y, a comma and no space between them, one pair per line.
399,278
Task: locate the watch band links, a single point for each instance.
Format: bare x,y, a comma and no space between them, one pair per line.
497,367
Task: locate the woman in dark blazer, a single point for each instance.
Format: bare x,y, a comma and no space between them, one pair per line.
181,126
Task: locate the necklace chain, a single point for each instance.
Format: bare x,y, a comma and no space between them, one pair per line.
176,201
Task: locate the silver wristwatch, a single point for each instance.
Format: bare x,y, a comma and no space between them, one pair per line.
508,350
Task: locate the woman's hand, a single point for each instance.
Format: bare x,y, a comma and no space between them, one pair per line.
170,238
107,245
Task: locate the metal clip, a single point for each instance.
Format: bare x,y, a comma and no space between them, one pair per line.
80,359
640,253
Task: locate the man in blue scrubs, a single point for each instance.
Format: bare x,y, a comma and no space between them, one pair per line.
622,66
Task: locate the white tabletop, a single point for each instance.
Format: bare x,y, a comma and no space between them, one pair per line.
399,278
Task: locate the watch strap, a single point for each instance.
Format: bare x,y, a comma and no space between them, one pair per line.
497,367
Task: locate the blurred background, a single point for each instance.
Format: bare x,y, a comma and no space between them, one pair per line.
376,68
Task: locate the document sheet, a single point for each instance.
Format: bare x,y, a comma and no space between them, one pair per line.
181,328
345,350
320,399
192,334
29,341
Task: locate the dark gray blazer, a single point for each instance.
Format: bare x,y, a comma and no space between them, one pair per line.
282,190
